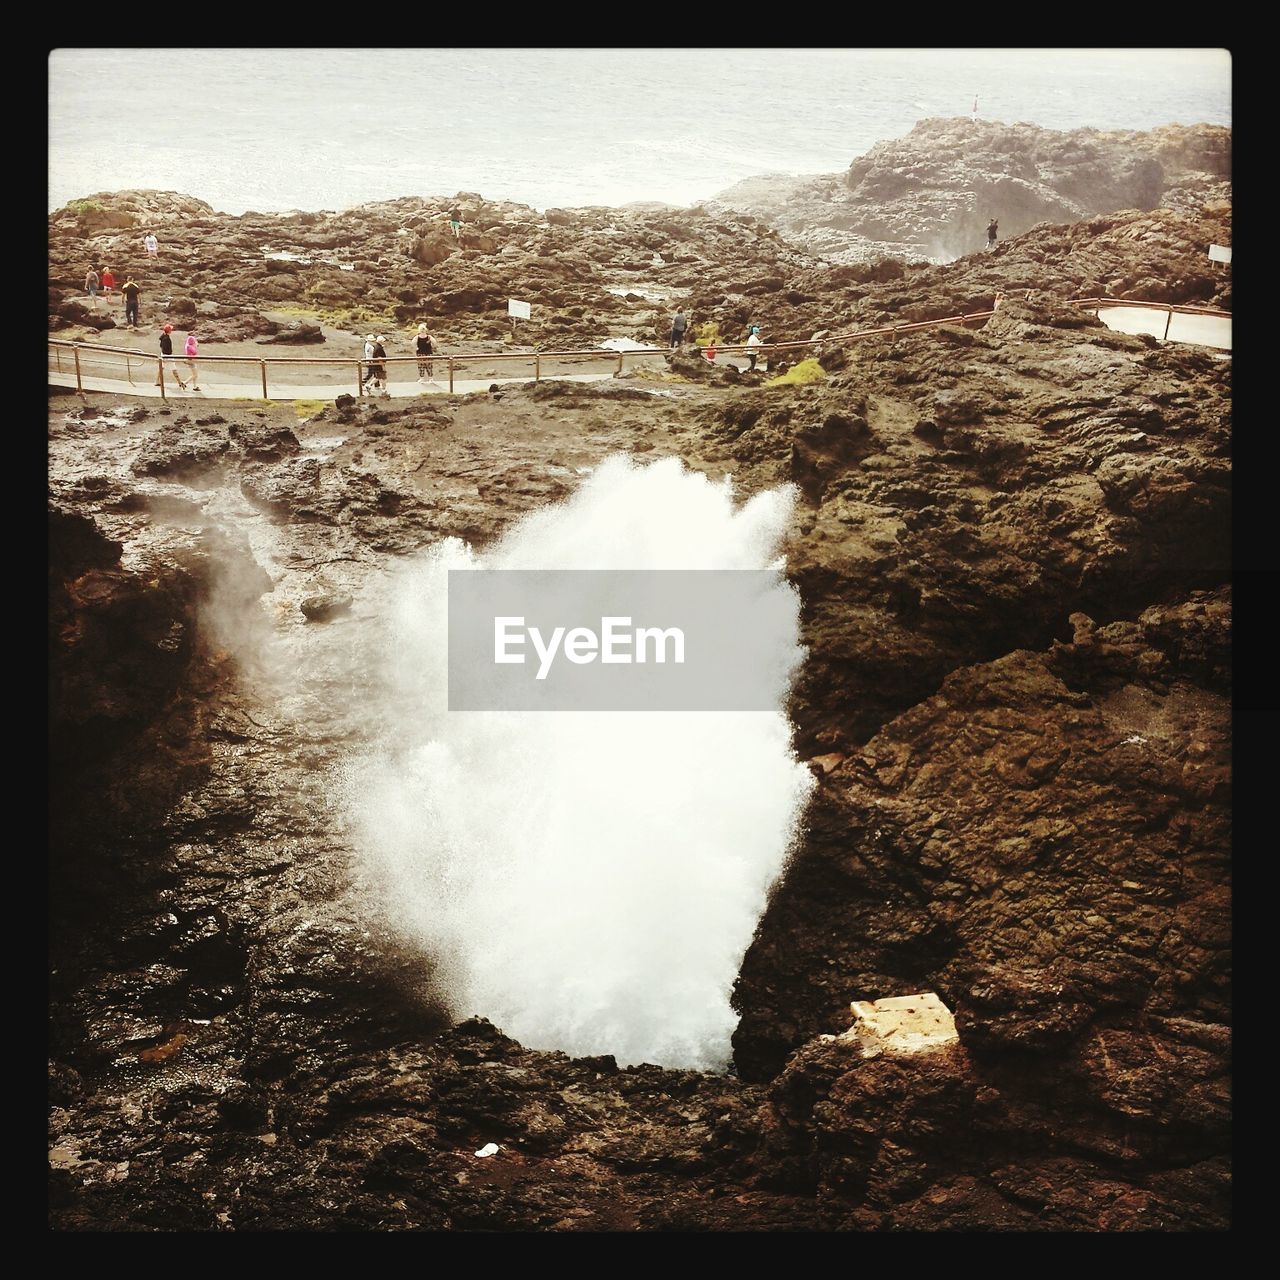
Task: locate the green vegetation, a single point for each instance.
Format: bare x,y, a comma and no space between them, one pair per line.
798,375
355,319
83,207
305,408
707,335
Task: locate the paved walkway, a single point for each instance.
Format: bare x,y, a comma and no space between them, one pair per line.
214,390
1204,331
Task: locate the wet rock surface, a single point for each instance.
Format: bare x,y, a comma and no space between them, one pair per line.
1011,548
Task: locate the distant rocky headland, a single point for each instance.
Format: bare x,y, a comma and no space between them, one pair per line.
931,193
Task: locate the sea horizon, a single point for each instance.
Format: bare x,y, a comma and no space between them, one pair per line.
556,127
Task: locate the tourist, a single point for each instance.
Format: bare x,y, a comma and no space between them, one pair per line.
424,346
678,326
380,366
166,358
368,356
91,283
753,340
992,227
108,283
191,351
455,223
152,245
130,292
710,351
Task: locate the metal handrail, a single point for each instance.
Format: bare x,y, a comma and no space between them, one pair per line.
1180,308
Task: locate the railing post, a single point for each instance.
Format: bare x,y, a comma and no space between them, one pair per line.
128,367
1168,321
163,396
263,366
619,364
359,378
451,375
57,351
79,385
537,365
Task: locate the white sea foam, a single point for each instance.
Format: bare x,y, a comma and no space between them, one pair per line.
589,881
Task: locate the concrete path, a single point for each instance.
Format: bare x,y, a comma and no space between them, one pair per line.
213,390
1204,331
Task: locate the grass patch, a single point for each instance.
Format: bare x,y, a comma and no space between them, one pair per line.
799,375
707,335
305,408
354,319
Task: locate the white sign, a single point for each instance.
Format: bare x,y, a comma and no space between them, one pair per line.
1219,253
518,309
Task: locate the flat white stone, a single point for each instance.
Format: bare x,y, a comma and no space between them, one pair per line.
902,1024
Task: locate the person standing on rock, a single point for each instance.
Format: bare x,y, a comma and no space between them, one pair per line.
108,283
679,324
91,283
455,223
166,358
191,351
753,340
424,346
152,245
992,227
131,294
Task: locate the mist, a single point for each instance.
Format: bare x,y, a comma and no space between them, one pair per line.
589,881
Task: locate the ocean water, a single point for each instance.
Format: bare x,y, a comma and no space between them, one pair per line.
274,129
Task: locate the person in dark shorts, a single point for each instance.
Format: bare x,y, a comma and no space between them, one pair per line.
424,346
679,325
992,227
379,366
166,357
131,294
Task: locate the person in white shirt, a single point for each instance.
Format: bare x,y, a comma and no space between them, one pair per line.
753,340
152,245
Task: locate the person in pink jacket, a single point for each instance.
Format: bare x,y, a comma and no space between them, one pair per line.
191,351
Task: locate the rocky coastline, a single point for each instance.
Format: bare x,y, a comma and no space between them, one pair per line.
1013,552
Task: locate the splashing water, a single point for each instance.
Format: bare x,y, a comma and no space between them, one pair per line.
587,880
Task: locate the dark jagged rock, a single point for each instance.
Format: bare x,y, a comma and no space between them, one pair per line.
180,449
296,334
320,608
